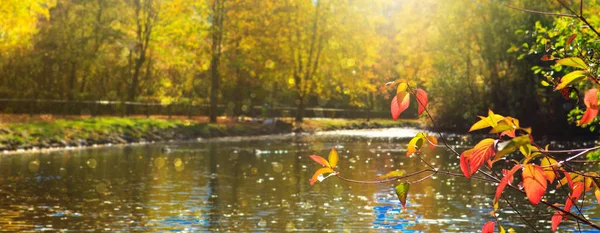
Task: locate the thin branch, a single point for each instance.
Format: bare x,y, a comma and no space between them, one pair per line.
519,213
568,8
541,12
435,126
385,180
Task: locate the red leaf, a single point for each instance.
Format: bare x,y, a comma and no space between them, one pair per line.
422,100
545,57
488,227
535,182
507,179
556,218
571,38
482,152
575,193
565,93
588,116
395,109
591,98
591,102
320,160
464,165
315,176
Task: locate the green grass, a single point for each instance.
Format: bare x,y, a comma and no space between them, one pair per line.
102,130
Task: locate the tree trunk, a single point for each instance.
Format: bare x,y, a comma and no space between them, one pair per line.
300,109
214,90
217,38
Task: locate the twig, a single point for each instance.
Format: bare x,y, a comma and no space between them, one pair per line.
541,12
519,213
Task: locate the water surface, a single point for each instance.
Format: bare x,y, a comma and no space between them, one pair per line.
249,185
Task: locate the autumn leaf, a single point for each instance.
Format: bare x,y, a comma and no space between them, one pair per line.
597,194
422,100
402,87
569,78
417,142
549,172
574,195
570,178
591,102
534,182
471,160
556,218
488,227
320,160
333,158
402,192
490,121
571,38
507,179
547,57
398,107
321,171
464,163
573,62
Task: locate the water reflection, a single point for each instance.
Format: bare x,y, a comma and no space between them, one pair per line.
247,186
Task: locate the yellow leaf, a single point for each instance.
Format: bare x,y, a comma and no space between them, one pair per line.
573,62
391,175
402,87
490,121
333,158
569,78
321,171
549,171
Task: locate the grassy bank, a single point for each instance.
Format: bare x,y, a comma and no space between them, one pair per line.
105,130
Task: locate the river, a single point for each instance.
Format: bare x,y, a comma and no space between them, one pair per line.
256,184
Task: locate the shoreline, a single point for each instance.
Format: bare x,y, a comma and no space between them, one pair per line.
75,134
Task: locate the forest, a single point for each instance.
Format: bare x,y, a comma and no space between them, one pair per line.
470,55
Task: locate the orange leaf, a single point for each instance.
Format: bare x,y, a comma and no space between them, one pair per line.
507,179
571,38
482,152
488,227
397,106
575,193
591,98
556,218
549,171
422,100
591,102
534,182
597,194
320,160
333,157
464,164
315,176
432,141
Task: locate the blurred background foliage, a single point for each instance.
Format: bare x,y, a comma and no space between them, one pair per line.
470,55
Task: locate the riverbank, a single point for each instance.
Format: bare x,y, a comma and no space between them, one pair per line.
59,133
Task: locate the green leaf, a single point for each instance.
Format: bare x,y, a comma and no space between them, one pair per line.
402,192
573,62
507,147
574,76
545,84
